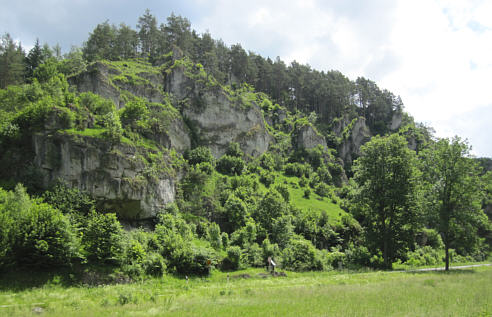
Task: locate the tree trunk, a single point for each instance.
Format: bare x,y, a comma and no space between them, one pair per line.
447,257
387,265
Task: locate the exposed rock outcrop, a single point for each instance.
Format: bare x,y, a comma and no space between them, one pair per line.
396,120
114,174
216,118
353,134
307,137
220,121
109,82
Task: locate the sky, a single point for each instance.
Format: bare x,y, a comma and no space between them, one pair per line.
435,54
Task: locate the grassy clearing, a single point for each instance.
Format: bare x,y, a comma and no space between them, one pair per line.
315,202
458,293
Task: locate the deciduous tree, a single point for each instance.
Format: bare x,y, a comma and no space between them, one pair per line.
385,174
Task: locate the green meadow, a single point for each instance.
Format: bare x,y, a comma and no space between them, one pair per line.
464,292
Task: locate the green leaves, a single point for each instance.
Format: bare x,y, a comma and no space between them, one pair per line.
386,176
454,196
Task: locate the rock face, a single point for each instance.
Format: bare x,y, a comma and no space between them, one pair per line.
353,135
307,137
115,175
396,120
220,122
216,118
97,79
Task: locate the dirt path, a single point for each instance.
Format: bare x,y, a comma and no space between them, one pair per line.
451,268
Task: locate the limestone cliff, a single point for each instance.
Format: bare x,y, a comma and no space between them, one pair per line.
119,175
136,181
218,117
352,135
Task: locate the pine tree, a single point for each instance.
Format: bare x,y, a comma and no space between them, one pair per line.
11,62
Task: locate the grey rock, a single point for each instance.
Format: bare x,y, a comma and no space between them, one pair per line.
113,174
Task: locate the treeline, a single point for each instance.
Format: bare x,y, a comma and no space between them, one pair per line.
298,87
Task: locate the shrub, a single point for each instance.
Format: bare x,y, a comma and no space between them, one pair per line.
95,103
230,165
233,260
32,232
68,199
358,255
300,255
267,178
236,212
205,167
254,255
234,150
323,190
267,161
269,250
154,264
307,193
135,253
324,174
245,235
282,230
214,236
102,239
297,169
271,206
284,191
425,256
133,112
199,155
111,122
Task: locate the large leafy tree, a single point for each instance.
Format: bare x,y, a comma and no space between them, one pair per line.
454,194
386,178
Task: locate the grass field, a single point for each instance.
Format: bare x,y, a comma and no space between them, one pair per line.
466,292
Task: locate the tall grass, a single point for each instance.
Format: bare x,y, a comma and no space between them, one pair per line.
457,293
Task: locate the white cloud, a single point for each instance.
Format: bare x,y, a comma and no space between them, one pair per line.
435,54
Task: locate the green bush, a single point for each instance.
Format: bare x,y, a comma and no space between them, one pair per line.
253,255
133,112
244,235
323,190
154,264
234,150
214,236
307,193
111,122
267,178
233,260
298,169
69,200
282,230
102,238
358,256
96,104
199,155
230,165
33,233
425,256
267,161
300,255
205,167
284,191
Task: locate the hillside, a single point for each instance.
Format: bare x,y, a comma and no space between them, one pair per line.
210,157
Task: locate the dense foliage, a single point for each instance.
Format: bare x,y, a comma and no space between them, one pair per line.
412,199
